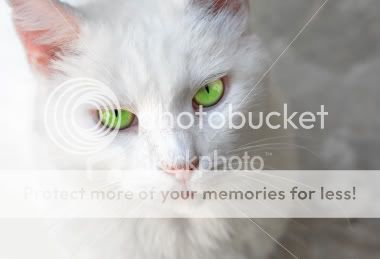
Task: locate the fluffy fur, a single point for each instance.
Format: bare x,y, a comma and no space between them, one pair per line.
153,54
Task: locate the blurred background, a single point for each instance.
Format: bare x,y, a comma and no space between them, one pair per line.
334,62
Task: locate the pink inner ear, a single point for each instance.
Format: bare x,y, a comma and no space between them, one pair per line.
39,55
44,45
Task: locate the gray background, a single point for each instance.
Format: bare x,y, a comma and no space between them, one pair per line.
335,62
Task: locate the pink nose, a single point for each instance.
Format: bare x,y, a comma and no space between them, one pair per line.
181,169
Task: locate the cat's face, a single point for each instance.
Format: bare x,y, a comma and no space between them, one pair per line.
154,57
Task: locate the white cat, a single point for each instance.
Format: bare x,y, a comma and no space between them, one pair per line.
153,54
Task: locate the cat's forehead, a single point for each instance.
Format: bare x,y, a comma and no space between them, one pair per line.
163,50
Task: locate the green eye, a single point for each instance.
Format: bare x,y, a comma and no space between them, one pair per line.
210,94
116,119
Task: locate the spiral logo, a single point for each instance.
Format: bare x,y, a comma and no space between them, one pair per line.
71,116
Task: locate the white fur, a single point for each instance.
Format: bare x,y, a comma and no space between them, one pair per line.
157,54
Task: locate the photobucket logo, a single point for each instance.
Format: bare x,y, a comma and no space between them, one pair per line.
232,163
217,162
70,116
236,120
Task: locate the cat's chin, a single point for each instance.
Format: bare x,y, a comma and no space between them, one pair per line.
182,209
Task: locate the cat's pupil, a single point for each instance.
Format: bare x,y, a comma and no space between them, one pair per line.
207,89
116,113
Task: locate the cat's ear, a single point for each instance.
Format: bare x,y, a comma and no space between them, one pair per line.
224,5
46,29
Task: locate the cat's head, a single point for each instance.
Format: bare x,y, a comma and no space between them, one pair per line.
155,57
